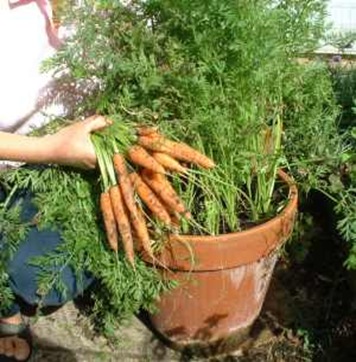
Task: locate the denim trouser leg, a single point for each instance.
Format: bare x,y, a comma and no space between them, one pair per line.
23,275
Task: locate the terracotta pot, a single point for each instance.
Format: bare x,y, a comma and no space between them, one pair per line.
222,289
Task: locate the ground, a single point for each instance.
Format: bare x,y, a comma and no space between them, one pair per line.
66,335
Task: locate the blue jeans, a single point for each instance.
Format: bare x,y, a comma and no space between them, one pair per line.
23,275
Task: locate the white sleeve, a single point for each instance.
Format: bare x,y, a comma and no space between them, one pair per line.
24,44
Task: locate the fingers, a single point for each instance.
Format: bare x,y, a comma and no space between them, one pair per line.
21,349
97,122
9,346
14,347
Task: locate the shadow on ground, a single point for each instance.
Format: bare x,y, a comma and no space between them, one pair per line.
46,351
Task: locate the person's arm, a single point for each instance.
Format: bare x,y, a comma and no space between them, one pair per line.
70,146
15,147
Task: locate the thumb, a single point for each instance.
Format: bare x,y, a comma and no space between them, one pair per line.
95,123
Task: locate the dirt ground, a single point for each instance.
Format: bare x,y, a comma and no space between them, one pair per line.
292,327
66,335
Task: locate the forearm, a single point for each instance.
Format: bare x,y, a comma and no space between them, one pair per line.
70,146
14,147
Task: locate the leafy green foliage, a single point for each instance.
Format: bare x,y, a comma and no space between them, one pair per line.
344,83
221,76
341,40
216,75
312,143
67,201
346,209
12,231
343,181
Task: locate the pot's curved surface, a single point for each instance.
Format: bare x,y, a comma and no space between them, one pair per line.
221,293
203,253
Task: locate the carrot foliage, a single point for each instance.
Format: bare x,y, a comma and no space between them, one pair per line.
12,231
223,77
67,200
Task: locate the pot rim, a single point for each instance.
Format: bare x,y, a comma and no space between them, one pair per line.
292,201
206,253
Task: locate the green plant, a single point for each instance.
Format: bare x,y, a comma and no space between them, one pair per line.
343,181
345,200
307,339
12,231
342,40
226,73
221,76
344,84
72,196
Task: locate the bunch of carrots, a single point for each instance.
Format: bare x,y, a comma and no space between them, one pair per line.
134,169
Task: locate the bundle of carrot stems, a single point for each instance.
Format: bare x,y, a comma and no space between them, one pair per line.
134,163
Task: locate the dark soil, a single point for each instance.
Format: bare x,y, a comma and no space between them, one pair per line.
309,312
312,302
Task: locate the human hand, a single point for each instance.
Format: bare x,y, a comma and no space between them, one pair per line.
72,146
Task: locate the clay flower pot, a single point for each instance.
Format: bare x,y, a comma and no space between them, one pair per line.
221,291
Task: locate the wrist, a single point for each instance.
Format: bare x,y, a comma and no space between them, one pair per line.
52,149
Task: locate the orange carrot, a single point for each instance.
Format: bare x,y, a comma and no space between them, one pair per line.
141,157
140,230
109,220
127,191
162,187
142,233
157,144
150,198
147,131
125,183
123,223
175,220
169,162
178,150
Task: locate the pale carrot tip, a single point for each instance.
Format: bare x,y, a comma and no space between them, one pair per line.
210,165
108,121
132,263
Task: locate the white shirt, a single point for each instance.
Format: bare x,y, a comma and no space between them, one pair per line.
24,44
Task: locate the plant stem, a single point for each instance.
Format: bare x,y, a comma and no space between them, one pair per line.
101,162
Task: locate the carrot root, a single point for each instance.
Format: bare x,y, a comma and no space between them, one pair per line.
169,162
177,150
162,187
141,231
147,131
150,199
141,157
123,223
109,220
125,184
